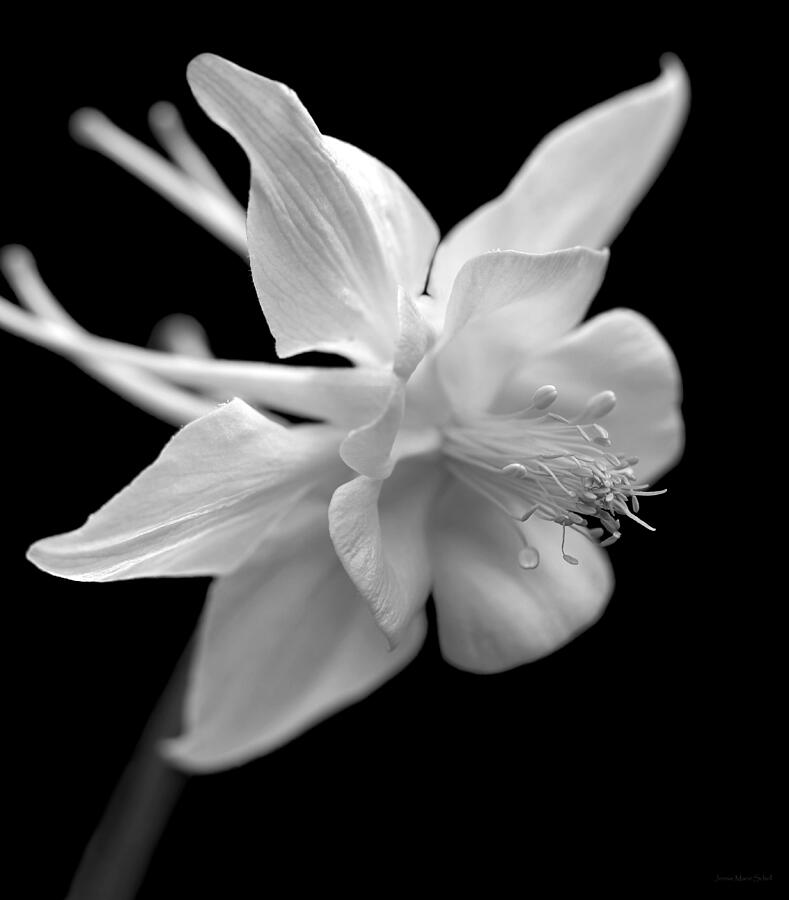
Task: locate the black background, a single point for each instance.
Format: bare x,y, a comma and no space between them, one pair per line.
651,739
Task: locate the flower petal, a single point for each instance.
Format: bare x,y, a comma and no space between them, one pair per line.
518,302
581,183
319,227
379,533
405,229
207,502
368,448
620,351
284,642
553,290
494,615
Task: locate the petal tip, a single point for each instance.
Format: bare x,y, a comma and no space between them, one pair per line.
43,560
202,61
205,67
675,76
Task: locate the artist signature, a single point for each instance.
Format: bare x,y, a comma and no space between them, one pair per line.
741,877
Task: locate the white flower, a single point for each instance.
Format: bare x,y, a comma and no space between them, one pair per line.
462,454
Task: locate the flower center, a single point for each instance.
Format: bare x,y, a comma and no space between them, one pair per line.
537,463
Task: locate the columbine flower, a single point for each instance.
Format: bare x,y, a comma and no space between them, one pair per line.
463,453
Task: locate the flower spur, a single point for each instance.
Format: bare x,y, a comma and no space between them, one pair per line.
424,464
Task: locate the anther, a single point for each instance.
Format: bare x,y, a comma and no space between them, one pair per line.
566,556
515,469
544,396
598,406
528,558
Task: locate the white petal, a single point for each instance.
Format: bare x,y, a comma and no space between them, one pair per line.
321,272
368,448
284,642
552,290
513,304
581,183
207,502
620,351
494,615
379,533
406,231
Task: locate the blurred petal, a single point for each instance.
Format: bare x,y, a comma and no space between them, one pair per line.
581,183
284,642
208,501
494,615
516,303
379,533
620,351
314,229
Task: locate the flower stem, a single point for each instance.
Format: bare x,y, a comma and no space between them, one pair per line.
117,856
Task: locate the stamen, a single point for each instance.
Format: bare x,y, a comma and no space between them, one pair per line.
597,407
506,458
544,396
559,484
566,556
93,129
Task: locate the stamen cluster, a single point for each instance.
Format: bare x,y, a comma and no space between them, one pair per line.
538,463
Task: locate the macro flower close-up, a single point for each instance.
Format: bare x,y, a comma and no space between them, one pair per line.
377,453
487,444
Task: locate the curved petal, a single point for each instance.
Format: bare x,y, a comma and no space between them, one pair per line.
581,183
406,230
379,532
494,615
203,506
319,227
620,351
368,448
517,303
284,642
553,290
